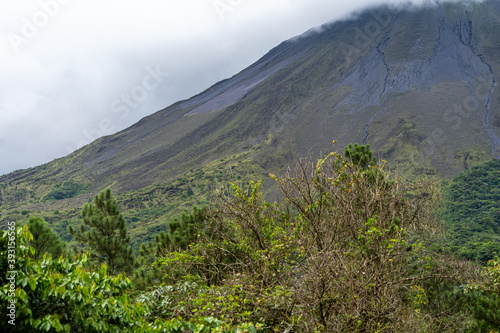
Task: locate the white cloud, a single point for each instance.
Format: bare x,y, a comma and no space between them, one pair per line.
63,63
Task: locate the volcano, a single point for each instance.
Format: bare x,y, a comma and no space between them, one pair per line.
417,84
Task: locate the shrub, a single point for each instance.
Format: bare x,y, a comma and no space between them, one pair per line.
65,190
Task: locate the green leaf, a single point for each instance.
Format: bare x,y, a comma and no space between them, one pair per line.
32,283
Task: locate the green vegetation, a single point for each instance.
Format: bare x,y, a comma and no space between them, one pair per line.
179,235
360,155
65,190
104,232
63,294
486,303
472,213
343,252
45,240
147,210
69,295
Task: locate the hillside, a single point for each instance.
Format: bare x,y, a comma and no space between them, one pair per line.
418,85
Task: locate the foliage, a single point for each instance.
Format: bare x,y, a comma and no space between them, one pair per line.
181,232
360,155
472,216
335,256
167,303
145,209
104,230
472,213
45,240
63,294
440,292
68,295
486,305
65,190
342,253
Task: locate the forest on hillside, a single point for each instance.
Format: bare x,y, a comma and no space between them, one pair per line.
352,247
472,213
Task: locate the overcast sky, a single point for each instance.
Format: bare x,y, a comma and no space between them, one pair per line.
68,68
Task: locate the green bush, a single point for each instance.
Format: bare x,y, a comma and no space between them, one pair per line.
64,295
65,190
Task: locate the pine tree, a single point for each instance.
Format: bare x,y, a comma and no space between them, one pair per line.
104,231
181,233
360,155
45,240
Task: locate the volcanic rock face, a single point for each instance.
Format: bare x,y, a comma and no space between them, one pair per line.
437,51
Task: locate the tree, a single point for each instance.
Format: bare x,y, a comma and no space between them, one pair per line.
45,240
104,231
360,155
66,295
486,306
341,253
62,294
471,211
181,233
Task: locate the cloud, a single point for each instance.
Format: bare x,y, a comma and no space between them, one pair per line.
66,64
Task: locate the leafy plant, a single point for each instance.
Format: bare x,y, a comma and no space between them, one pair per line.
64,295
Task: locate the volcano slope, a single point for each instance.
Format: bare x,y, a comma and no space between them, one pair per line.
417,84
